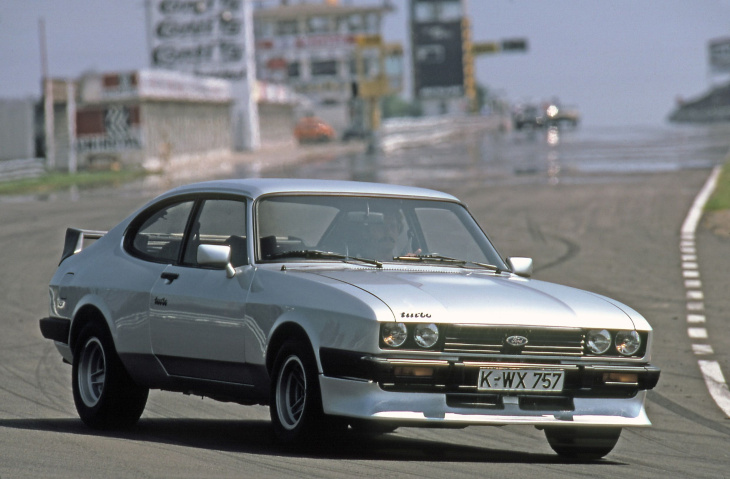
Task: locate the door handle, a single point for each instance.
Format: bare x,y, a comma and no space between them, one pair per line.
170,277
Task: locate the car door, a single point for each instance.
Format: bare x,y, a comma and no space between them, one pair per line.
197,313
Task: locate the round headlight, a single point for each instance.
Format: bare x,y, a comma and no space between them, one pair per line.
394,334
598,341
628,342
426,335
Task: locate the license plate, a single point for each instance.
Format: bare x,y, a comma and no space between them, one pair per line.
493,379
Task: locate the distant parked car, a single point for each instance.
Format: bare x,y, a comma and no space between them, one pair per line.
527,116
340,304
311,129
557,115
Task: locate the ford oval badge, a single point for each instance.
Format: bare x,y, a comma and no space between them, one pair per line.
516,341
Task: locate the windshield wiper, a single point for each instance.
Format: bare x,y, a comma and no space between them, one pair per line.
435,257
318,254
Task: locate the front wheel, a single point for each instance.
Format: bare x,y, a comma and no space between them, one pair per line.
296,403
582,443
104,394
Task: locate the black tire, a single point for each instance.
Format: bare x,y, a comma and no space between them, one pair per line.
582,443
296,401
104,394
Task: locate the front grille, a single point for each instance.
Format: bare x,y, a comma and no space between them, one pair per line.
462,338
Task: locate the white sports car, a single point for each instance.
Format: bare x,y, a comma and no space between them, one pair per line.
340,304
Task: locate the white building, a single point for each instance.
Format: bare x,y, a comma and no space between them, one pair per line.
311,47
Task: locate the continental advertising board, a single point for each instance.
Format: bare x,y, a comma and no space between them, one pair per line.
204,37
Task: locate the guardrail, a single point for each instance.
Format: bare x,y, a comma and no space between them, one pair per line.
21,169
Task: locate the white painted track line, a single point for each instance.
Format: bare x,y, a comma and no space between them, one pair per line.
716,384
695,212
711,372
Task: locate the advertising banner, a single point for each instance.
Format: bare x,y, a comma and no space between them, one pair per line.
204,37
108,129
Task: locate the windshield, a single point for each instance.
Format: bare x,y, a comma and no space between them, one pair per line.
304,228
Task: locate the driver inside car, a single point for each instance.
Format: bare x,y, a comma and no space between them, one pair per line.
382,235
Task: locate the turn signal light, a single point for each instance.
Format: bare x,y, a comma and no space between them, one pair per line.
413,371
621,378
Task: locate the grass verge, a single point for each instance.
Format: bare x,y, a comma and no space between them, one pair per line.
720,199
58,181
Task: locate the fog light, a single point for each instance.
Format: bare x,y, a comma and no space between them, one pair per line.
628,342
413,371
621,378
426,335
598,341
394,334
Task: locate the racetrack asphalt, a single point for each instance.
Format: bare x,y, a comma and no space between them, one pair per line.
619,238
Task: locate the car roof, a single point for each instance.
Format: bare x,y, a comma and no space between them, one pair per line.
256,187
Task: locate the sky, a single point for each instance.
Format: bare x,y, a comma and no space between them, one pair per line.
621,62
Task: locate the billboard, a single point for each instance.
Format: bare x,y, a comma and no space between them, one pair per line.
204,37
437,48
108,128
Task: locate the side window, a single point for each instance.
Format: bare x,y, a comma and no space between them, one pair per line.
219,222
159,238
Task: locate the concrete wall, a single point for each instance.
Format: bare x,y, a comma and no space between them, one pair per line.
165,129
183,128
277,122
17,129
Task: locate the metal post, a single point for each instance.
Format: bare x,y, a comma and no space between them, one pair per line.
71,120
47,100
148,25
252,128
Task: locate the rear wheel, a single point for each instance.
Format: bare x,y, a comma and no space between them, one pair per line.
582,443
104,394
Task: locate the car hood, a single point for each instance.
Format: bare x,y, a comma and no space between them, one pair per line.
477,298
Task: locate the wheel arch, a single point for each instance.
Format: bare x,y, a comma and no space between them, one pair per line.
86,314
282,333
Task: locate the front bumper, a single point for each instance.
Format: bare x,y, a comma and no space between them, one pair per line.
366,400
411,391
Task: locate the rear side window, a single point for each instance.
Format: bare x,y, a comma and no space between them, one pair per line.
159,238
219,221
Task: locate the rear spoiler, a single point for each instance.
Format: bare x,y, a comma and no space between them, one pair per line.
74,241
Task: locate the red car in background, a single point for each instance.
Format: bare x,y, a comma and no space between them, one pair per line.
311,129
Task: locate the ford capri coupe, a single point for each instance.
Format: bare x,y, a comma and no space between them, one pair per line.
340,305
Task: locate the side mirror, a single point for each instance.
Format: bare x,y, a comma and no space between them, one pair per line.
520,266
218,256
